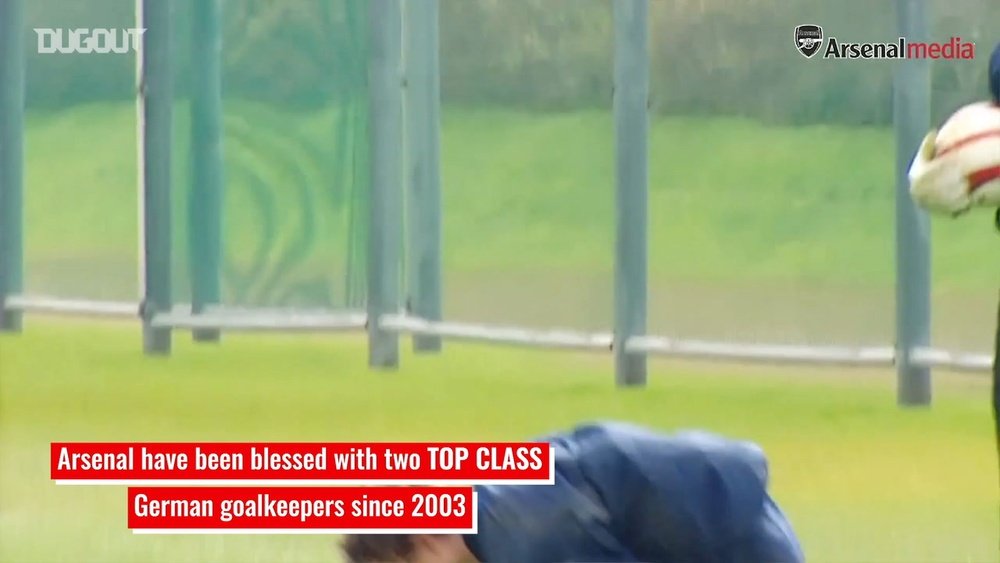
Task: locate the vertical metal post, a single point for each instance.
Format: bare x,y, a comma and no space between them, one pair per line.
631,109
156,131
423,133
205,195
386,131
911,115
11,159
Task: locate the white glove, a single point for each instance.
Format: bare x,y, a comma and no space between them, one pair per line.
958,167
938,185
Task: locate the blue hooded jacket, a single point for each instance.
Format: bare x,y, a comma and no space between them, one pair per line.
623,493
995,74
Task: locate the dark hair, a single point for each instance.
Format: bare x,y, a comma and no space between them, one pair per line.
377,548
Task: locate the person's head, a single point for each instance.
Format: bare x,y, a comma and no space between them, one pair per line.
995,74
406,548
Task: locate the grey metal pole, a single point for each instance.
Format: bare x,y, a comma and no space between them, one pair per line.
423,131
206,190
386,130
911,115
11,159
631,108
156,99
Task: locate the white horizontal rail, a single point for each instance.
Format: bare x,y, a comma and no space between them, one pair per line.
819,355
354,316
555,339
298,320
71,307
932,358
766,353
263,321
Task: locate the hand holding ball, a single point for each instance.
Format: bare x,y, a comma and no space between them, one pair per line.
958,167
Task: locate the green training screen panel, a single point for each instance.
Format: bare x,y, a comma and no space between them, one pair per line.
291,214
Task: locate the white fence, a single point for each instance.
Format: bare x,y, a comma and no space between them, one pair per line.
321,321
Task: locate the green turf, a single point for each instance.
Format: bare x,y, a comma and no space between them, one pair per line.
526,191
861,479
789,229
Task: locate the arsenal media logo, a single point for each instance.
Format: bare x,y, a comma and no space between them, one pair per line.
808,39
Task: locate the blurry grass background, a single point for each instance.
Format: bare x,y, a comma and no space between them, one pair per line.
861,479
757,232
718,184
771,219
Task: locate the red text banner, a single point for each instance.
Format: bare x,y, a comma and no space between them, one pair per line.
397,463
270,510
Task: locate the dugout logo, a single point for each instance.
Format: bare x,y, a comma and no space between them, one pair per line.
88,41
808,39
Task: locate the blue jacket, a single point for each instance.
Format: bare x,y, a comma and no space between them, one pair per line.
995,74
623,493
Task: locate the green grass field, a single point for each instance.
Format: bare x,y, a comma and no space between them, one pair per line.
772,233
861,479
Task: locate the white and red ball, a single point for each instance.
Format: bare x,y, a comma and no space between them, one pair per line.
958,167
